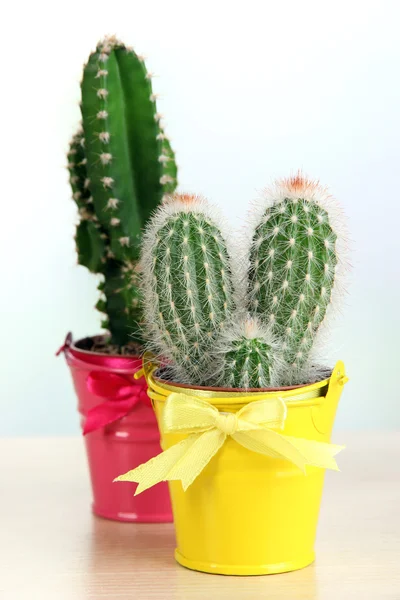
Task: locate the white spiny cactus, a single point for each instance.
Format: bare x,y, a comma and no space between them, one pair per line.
187,281
246,355
296,253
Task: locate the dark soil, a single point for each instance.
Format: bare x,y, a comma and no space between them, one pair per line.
102,345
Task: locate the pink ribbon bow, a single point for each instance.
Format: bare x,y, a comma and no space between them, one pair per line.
121,395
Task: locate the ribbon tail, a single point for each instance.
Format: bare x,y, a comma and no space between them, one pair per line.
197,456
271,443
299,451
183,461
317,454
158,468
107,412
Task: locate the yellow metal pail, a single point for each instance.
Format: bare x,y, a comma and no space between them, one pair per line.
246,513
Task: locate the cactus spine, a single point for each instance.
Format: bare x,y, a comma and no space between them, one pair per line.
293,260
187,283
120,166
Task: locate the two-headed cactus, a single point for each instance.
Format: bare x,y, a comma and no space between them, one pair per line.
217,329
121,164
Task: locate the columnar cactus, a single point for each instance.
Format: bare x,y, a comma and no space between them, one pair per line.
293,262
187,283
246,356
121,165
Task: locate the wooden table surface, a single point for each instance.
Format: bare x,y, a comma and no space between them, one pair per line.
51,547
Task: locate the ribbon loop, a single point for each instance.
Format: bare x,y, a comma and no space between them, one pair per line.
120,393
110,385
272,412
188,414
254,427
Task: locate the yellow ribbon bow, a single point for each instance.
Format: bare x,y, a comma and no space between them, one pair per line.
254,427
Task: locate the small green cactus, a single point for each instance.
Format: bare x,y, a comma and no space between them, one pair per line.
293,261
246,356
187,283
121,164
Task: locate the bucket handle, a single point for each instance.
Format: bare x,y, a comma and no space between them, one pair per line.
75,362
323,414
67,343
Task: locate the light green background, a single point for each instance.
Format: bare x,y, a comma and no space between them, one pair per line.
249,95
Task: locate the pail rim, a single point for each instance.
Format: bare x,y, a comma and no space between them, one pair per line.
305,394
99,361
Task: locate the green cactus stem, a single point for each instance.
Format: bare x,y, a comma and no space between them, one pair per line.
246,356
121,302
293,262
121,163
130,163
187,283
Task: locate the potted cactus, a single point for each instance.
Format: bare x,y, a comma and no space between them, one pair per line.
244,410
120,164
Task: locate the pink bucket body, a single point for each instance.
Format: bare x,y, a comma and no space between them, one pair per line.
120,446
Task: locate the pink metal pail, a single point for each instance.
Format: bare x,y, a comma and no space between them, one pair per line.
105,383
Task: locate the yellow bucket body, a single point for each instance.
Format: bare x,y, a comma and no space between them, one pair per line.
248,514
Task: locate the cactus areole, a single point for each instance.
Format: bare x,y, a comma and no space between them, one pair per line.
121,164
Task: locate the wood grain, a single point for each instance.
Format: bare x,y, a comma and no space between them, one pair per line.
51,547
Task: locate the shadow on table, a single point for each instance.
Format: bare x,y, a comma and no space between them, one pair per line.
298,585
136,561
127,544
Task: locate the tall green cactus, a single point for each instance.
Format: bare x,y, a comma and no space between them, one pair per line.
293,260
121,165
187,283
